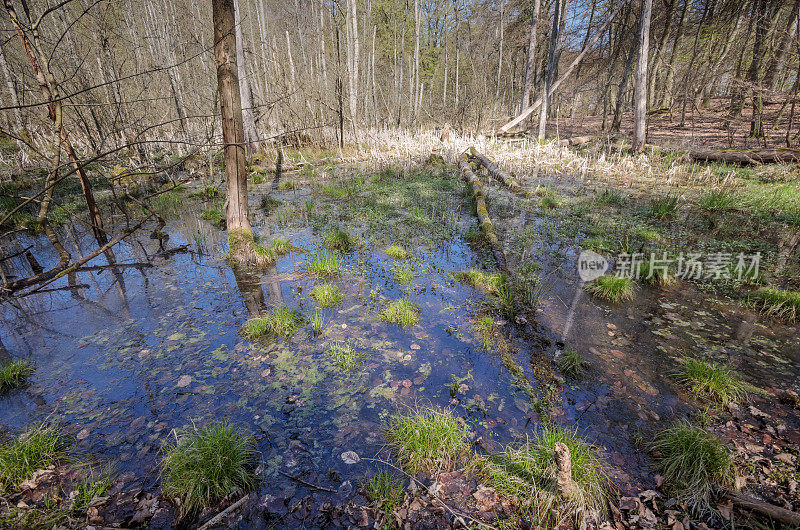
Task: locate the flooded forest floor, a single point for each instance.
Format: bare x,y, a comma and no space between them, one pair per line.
398,311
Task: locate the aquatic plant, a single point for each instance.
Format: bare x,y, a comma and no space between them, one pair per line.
428,439
318,323
485,327
402,311
656,275
280,246
571,363
396,252
490,282
323,265
611,288
713,382
89,487
663,207
693,462
35,449
779,303
504,302
279,322
347,357
15,374
337,239
327,295
204,466
528,472
385,492
215,215
610,197
403,274
715,200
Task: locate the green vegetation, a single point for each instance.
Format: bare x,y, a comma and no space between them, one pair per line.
548,197
403,312
214,215
664,207
318,323
715,383
327,295
15,374
206,465
244,249
347,357
90,487
404,273
428,440
655,274
529,473
693,462
396,252
280,246
611,289
778,303
35,449
385,492
489,282
323,265
484,327
280,322
610,197
337,240
571,364
715,200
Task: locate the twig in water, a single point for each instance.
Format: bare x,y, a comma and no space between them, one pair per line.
308,484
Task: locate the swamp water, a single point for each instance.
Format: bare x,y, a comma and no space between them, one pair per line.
124,357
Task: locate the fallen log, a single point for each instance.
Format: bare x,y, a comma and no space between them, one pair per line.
483,213
746,158
575,140
776,513
495,171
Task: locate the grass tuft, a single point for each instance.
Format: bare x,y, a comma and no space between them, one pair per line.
428,440
403,274
396,252
484,327
280,322
664,207
403,312
715,200
327,295
323,265
610,197
385,492
35,449
490,282
529,473
693,462
571,364
779,303
244,249
90,487
206,465
337,240
347,356
15,374
713,382
611,289
656,275
281,246
318,323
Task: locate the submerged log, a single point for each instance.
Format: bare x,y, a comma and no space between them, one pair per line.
776,513
482,212
495,171
746,158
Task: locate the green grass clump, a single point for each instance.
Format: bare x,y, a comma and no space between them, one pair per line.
484,327
347,356
713,382
280,247
610,197
715,200
90,487
36,449
15,374
611,289
664,207
206,465
396,252
337,240
779,303
428,440
318,323
214,215
490,282
403,312
693,462
280,322
385,492
244,249
571,364
656,275
403,274
327,295
529,472
323,265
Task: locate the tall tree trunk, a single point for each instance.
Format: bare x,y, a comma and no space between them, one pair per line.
653,72
12,92
623,82
352,31
669,83
499,59
776,65
415,88
640,80
530,61
689,70
248,118
754,74
555,39
231,105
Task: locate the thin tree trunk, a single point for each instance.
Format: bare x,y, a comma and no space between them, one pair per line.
12,92
654,71
551,67
248,118
623,83
776,65
754,74
666,95
530,61
640,80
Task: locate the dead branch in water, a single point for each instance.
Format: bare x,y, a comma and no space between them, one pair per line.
482,212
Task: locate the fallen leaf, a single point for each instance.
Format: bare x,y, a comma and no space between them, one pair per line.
184,381
350,457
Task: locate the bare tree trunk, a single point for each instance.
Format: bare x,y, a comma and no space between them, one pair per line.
231,105
623,84
530,61
353,53
754,74
640,80
653,72
551,66
499,59
416,82
12,92
248,118
666,94
776,65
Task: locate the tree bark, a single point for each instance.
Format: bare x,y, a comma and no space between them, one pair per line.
12,92
776,65
754,74
231,106
530,61
640,80
555,39
248,118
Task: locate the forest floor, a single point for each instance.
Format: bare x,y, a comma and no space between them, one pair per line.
160,346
